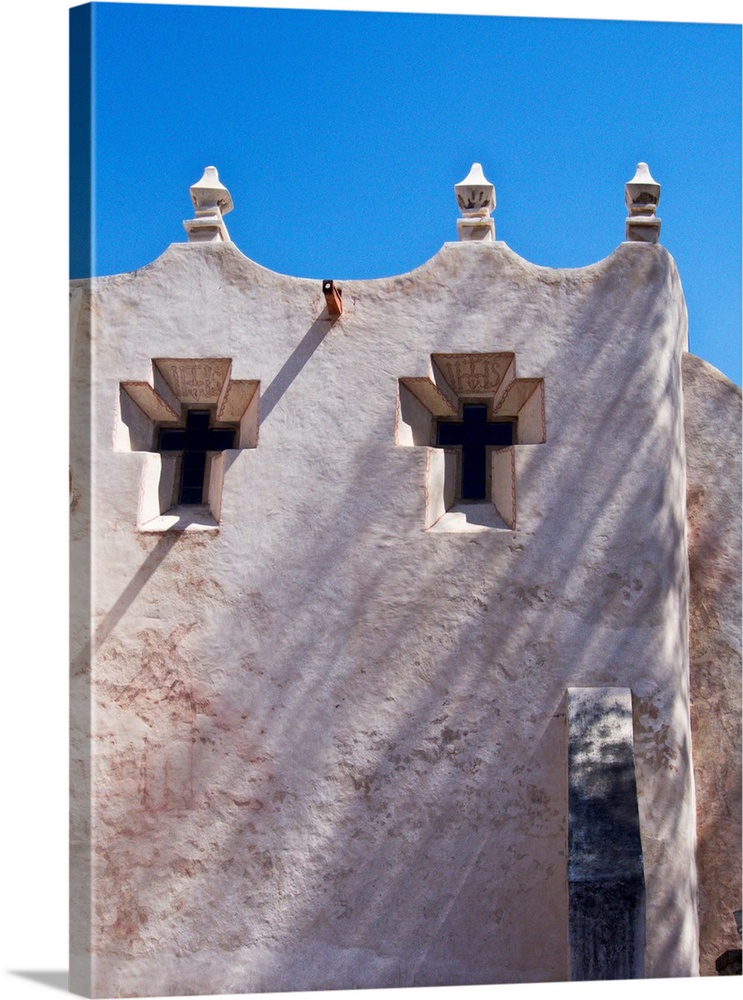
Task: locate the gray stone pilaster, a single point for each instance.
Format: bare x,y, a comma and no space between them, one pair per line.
606,884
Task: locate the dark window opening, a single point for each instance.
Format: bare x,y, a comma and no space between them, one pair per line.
194,441
473,434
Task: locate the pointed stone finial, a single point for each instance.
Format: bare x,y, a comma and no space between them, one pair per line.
211,200
641,196
476,199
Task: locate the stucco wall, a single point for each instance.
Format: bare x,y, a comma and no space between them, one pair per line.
329,746
712,417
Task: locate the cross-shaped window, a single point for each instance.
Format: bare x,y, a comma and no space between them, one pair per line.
195,440
474,434
192,419
471,414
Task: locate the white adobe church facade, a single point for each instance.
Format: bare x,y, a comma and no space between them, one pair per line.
382,675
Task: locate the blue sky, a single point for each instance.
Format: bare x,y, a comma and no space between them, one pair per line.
341,134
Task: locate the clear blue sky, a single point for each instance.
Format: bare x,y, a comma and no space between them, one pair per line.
341,134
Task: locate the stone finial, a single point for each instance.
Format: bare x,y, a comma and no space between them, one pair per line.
476,199
211,200
641,195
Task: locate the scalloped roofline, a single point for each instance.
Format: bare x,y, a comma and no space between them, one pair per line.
494,246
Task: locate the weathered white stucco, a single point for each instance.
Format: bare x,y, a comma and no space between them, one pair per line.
712,420
329,745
